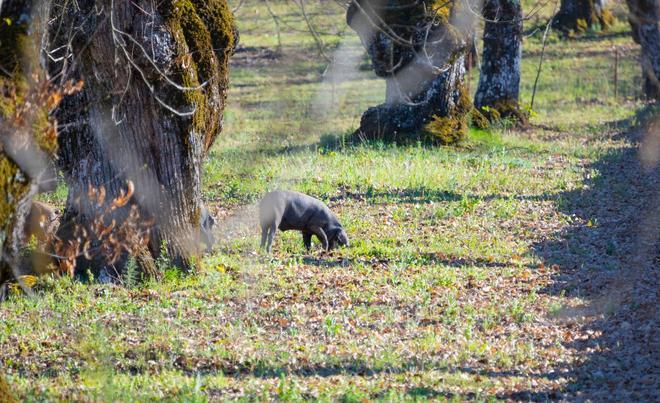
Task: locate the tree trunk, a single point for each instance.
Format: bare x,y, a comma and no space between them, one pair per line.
25,144
421,55
17,190
580,15
6,392
499,82
644,17
155,82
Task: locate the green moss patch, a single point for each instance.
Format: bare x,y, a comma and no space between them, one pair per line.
501,110
453,127
205,37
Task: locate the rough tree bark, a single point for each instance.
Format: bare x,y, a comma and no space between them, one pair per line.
419,48
26,144
580,15
155,77
644,17
499,82
6,391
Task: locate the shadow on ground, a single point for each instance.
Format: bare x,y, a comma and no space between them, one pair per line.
612,260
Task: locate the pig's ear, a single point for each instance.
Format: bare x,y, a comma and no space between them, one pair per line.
333,233
343,238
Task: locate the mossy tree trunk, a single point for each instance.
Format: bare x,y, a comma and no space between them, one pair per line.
6,391
499,82
24,151
644,17
577,16
17,191
417,49
155,80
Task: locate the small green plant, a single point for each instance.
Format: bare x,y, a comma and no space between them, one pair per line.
171,275
131,275
459,208
518,312
554,308
331,327
163,262
287,390
30,246
354,395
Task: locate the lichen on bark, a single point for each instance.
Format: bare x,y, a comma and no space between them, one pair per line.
205,36
454,126
499,80
26,134
419,48
14,186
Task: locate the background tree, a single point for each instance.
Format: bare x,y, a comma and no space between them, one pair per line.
581,15
155,76
644,17
499,81
419,48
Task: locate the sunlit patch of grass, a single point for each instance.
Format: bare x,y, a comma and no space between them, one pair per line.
438,294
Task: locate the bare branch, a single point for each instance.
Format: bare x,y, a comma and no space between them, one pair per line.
121,44
238,7
545,37
317,39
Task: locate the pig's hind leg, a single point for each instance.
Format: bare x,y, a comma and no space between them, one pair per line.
264,234
271,236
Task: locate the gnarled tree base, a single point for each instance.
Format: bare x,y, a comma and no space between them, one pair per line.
143,122
578,16
437,115
496,98
504,111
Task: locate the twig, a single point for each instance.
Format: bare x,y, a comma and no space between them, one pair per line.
276,19
616,72
523,18
238,7
317,39
545,37
122,45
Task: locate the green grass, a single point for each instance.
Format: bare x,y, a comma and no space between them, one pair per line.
441,294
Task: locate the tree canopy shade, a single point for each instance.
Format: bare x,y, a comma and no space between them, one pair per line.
133,139
419,48
644,17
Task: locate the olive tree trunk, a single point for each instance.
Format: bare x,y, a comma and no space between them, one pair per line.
421,55
499,83
644,17
25,146
580,15
155,79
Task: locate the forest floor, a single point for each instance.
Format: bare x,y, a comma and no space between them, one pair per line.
519,265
